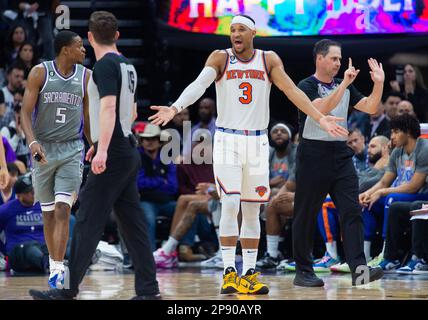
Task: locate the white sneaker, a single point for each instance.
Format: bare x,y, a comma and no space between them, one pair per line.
340,268
282,266
214,262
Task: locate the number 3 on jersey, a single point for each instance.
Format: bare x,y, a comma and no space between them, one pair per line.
247,93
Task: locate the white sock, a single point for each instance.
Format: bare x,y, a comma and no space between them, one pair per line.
51,264
383,248
170,245
58,266
272,245
331,248
249,259
228,255
367,246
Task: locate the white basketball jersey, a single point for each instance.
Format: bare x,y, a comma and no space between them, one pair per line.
243,93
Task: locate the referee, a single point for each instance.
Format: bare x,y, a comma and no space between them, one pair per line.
110,185
324,164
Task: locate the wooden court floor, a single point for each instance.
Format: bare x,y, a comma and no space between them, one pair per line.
185,284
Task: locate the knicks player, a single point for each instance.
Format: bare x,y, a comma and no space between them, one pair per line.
243,77
53,110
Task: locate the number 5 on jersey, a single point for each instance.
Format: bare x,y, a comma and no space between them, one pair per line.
247,93
60,116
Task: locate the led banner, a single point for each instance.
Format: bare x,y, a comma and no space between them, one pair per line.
302,17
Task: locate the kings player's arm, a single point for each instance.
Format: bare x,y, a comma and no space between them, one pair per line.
86,123
280,78
35,81
212,71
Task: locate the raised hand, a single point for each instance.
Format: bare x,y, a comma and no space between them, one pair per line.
163,115
328,123
350,73
377,74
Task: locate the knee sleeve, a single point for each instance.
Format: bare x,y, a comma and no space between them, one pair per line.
229,215
250,228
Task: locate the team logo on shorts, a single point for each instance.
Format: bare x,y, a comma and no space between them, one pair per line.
261,190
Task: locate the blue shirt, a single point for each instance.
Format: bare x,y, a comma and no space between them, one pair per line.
12,196
21,224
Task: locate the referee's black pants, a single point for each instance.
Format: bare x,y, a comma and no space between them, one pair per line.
326,167
115,188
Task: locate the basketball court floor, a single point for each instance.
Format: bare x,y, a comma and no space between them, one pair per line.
204,284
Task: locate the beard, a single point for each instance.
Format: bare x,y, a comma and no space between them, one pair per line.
374,158
280,146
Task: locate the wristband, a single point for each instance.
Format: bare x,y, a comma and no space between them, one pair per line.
31,143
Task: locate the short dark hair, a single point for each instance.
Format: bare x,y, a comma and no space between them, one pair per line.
63,39
13,169
355,130
406,123
14,65
248,17
103,25
392,94
323,46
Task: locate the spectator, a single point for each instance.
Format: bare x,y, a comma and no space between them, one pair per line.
15,78
405,107
399,222
38,18
190,177
22,222
26,58
282,155
405,177
356,142
206,115
391,101
414,90
16,37
14,133
157,182
183,221
8,193
376,124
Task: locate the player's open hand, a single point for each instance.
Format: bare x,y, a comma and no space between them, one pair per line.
98,164
163,115
4,178
37,153
328,123
377,74
350,73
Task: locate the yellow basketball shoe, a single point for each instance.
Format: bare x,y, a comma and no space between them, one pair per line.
230,281
250,285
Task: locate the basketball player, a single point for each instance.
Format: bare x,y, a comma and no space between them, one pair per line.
112,182
243,78
54,103
4,174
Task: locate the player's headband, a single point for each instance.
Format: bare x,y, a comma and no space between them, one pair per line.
281,125
243,20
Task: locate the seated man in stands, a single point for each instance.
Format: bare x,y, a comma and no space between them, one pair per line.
22,222
192,184
405,178
402,217
157,182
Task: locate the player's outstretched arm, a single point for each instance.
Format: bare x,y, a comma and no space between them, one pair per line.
370,104
299,98
213,68
35,82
